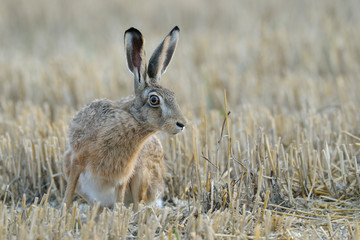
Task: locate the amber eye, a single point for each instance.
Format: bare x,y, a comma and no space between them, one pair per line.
154,100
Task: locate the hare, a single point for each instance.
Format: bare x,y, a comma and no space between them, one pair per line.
109,139
147,182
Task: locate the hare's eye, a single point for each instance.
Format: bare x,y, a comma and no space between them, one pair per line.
154,100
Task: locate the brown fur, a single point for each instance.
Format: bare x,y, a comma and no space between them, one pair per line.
109,139
147,182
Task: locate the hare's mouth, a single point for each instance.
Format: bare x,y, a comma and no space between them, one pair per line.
173,127
173,131
178,129
180,125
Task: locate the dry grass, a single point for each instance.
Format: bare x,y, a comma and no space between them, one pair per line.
284,163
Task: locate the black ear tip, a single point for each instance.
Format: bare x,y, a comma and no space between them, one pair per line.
176,28
133,31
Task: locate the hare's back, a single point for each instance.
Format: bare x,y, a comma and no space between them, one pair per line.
94,118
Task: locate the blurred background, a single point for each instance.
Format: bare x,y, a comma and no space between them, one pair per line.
290,70
282,55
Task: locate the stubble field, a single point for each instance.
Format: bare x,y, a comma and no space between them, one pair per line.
271,90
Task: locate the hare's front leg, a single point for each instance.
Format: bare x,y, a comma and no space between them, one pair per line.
120,192
139,187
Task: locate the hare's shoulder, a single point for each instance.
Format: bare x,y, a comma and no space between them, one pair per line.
97,116
152,152
153,144
100,111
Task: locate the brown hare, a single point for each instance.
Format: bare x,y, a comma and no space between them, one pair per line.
112,143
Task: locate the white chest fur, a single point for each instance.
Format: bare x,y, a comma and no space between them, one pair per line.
94,188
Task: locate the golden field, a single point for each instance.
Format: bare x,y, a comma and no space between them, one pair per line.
283,164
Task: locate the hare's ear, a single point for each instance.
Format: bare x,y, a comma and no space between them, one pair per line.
162,55
135,56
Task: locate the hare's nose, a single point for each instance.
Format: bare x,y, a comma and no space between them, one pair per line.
180,125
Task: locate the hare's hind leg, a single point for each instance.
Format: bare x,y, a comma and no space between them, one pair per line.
67,163
72,172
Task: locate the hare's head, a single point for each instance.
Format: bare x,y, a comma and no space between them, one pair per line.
154,105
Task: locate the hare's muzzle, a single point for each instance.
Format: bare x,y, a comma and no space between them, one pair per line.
180,125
